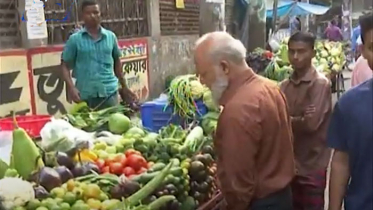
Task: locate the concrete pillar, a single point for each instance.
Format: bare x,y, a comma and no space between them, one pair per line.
27,43
153,18
257,25
306,19
211,17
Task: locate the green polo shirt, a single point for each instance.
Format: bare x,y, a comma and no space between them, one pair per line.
92,62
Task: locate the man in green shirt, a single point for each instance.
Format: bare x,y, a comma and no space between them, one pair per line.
94,57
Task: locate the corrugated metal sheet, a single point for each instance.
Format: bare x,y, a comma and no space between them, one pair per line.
9,25
179,21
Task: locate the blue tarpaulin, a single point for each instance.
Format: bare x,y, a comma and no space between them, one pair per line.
293,8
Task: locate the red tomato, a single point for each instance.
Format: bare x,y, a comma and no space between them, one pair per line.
130,152
109,161
123,161
116,168
268,54
100,163
142,170
136,161
128,171
119,157
105,170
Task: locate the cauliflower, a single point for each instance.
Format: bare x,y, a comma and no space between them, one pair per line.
197,89
15,192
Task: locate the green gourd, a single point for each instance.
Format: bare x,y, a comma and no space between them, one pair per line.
25,154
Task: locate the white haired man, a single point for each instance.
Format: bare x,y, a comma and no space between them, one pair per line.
253,140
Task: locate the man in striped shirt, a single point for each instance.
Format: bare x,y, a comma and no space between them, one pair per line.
94,57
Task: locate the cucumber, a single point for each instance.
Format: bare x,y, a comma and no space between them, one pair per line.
157,167
175,162
136,178
177,171
160,202
149,188
146,177
171,179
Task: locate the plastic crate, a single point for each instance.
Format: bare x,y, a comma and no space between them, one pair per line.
154,116
31,123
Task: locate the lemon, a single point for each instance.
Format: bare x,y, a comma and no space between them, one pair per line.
33,204
69,198
65,206
58,192
42,208
92,191
103,197
93,203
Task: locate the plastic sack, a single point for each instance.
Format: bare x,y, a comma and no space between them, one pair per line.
6,143
107,137
59,135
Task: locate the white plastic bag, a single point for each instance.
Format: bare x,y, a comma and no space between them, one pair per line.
62,136
6,143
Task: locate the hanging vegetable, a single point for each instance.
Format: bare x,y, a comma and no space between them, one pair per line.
183,92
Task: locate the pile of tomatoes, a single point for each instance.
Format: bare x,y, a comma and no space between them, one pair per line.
130,163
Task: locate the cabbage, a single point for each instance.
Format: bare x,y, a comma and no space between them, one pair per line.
119,123
210,122
209,101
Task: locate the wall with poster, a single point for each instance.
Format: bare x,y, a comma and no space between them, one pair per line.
31,80
14,84
135,65
50,94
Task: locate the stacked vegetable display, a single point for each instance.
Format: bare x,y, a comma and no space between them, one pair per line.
124,167
259,59
329,59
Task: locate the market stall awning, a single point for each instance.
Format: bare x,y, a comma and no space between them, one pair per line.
297,9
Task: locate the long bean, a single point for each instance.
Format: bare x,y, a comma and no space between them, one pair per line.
181,97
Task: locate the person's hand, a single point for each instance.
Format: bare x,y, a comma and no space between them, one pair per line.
128,96
74,95
310,110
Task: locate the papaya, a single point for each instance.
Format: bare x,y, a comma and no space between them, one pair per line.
25,154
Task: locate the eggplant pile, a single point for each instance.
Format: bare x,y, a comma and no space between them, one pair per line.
202,182
59,168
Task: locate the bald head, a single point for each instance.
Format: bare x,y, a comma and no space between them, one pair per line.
217,46
219,57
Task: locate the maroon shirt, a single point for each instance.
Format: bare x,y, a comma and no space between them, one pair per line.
311,152
253,142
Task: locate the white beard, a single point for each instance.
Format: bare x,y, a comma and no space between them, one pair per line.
219,86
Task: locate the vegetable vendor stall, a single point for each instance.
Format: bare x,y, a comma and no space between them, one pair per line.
105,160
329,60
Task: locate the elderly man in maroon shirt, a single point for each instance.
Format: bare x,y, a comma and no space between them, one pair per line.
253,140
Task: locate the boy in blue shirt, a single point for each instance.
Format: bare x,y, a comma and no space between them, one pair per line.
351,137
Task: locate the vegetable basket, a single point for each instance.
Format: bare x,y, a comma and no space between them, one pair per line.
215,203
31,123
